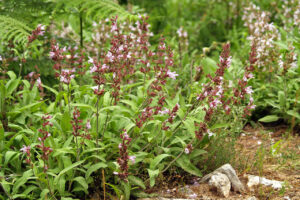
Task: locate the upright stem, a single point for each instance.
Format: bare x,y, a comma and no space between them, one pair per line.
69,99
21,68
77,146
97,124
81,28
180,53
191,70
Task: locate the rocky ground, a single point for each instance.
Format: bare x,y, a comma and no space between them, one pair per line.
270,153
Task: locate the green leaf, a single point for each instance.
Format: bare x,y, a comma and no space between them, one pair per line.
209,65
153,174
65,122
67,169
157,160
136,181
44,194
50,89
82,182
12,86
82,105
94,168
130,103
293,113
189,124
127,188
61,185
21,181
196,153
37,104
281,99
185,163
11,75
215,126
269,118
9,155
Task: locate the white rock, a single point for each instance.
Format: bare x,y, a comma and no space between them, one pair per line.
256,180
230,173
220,182
252,198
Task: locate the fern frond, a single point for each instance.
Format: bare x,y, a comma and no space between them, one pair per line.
98,9
12,29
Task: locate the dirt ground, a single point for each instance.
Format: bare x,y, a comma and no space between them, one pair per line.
272,153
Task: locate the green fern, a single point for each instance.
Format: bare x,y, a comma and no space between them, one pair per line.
13,30
97,9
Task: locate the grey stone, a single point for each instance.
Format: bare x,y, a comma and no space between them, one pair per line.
161,198
252,198
221,183
256,180
231,174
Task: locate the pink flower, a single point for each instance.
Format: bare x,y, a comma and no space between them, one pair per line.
52,54
132,159
163,112
93,69
104,66
91,60
186,150
172,75
25,149
31,74
214,103
120,146
88,125
249,90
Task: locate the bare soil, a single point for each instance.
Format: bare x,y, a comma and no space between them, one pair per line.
272,153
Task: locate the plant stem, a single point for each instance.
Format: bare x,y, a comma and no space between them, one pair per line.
103,180
81,29
69,99
97,124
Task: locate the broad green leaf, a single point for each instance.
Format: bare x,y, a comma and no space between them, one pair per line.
130,103
29,189
64,151
153,174
293,113
82,105
127,189
11,75
44,193
65,122
50,89
94,168
12,85
106,99
157,160
185,163
190,126
209,65
136,181
37,104
281,99
269,118
215,126
82,182
21,181
9,155
196,153
61,185
67,169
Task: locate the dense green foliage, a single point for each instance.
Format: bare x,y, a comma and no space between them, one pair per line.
93,103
